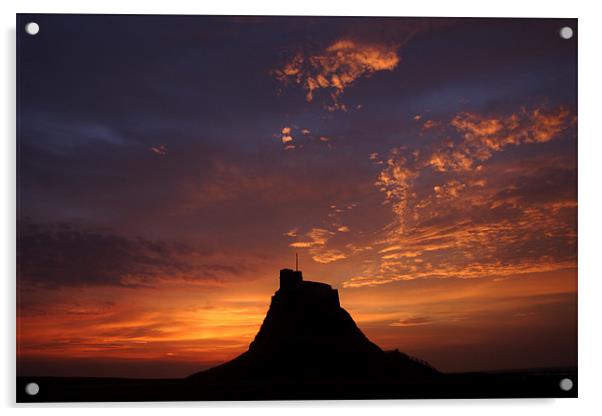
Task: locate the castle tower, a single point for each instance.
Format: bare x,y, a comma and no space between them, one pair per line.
290,279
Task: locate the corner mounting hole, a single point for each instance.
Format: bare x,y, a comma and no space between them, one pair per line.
32,389
566,384
566,32
32,28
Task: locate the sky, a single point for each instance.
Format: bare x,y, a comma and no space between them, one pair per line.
170,166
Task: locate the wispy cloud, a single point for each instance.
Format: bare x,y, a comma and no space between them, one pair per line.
413,321
318,240
316,237
160,150
328,256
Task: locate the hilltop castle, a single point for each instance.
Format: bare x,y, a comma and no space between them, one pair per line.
307,337
293,285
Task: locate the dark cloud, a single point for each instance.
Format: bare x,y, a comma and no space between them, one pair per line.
68,255
128,332
545,186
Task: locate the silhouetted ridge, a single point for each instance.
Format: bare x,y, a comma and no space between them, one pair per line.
306,335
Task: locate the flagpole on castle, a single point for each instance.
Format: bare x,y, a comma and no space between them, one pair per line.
296,262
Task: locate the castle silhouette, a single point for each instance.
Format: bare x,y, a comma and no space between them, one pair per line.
307,336
292,283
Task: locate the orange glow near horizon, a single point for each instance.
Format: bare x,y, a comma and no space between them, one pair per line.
421,318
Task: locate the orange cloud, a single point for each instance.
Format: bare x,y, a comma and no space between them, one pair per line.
451,189
328,256
337,67
295,137
316,237
484,135
430,124
292,233
316,241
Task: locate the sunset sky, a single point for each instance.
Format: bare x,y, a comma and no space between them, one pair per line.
170,166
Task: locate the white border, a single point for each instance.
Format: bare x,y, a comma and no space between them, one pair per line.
590,166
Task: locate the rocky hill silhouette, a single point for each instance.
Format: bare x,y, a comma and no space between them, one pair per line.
307,336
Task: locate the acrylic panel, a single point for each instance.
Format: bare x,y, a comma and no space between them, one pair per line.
290,207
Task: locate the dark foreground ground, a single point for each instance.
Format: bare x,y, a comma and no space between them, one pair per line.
515,384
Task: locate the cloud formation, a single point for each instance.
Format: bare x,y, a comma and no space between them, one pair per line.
67,255
481,137
316,237
480,218
318,240
337,67
296,138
